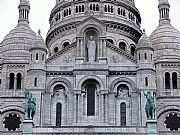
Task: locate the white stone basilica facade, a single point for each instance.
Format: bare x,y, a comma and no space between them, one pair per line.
90,74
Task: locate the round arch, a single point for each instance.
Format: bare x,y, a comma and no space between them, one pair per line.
64,41
125,81
83,30
82,80
12,108
66,83
166,109
111,38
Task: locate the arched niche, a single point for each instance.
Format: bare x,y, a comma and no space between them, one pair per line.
94,34
63,81
91,22
130,84
82,82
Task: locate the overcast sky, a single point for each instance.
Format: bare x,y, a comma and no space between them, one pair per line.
40,11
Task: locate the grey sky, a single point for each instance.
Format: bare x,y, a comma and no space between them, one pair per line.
40,11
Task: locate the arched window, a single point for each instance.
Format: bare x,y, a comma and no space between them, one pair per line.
122,46
35,82
79,8
167,80
19,77
139,56
36,56
105,8
11,81
174,80
108,8
97,7
65,44
31,57
151,56
82,8
43,57
76,9
145,56
90,7
90,99
94,7
111,41
123,114
112,9
132,50
146,81
58,114
56,49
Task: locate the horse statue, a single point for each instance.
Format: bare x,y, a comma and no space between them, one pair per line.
150,106
30,106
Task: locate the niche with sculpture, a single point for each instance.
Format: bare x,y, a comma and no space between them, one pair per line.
91,45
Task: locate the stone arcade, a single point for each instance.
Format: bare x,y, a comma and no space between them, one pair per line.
93,72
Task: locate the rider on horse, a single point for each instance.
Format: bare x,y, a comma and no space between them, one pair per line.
30,106
150,106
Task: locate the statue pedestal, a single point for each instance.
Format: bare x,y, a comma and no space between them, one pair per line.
152,127
27,127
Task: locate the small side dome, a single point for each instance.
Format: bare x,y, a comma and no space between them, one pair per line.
39,42
165,38
144,41
166,42
18,41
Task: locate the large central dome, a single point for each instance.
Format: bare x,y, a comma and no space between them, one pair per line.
119,16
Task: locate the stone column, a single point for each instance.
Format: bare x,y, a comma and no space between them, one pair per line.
102,50
106,108
100,108
103,102
134,108
79,108
8,81
78,47
163,86
77,105
72,9
171,86
15,82
80,50
104,47
22,82
81,47
47,110
75,109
